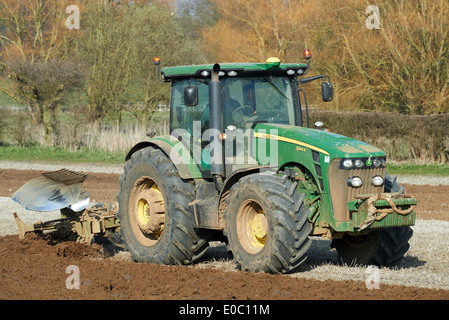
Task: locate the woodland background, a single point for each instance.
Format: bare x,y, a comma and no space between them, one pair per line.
96,87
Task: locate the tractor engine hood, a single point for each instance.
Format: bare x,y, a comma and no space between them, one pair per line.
332,144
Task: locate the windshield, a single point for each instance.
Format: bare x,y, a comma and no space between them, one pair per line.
261,99
245,101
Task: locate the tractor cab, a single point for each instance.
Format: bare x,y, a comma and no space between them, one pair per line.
228,101
251,93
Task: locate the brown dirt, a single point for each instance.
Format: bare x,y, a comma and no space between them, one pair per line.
35,268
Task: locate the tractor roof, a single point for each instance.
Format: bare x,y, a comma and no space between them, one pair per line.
240,69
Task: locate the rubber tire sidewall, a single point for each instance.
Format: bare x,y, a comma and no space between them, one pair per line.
178,243
288,229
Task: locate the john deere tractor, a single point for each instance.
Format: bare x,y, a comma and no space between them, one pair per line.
242,165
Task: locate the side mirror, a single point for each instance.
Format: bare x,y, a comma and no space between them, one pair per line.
190,95
327,91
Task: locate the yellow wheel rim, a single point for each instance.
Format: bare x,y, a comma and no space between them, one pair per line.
252,226
147,211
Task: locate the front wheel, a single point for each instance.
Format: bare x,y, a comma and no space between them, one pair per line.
382,248
266,224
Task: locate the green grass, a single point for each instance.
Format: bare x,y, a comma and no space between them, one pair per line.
6,100
418,169
39,153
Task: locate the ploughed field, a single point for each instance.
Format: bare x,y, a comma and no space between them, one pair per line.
41,266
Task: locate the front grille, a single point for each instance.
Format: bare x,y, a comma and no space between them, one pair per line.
341,193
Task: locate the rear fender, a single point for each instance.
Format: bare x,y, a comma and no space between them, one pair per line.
176,151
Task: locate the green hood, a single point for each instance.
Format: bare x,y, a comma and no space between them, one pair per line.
336,145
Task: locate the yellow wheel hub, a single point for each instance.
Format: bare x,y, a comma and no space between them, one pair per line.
142,207
147,211
252,226
259,226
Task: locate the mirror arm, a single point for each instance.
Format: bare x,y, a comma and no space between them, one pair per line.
307,80
307,107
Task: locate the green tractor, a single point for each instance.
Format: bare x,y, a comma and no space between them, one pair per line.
242,166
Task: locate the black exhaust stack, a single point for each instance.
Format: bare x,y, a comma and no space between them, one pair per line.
216,128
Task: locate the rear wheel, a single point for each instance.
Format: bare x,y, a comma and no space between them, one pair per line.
266,224
156,221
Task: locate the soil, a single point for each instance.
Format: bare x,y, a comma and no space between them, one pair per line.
36,267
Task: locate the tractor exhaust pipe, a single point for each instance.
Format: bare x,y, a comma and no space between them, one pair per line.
216,127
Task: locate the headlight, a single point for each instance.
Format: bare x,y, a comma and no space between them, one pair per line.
348,163
377,162
355,182
359,163
362,163
378,181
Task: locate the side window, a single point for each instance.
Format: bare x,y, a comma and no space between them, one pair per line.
182,116
175,107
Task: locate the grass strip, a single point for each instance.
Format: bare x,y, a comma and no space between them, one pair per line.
418,169
57,154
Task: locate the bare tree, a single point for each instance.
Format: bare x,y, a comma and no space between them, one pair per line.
44,84
32,31
118,44
167,41
255,29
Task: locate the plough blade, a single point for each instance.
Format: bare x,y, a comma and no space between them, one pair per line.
54,191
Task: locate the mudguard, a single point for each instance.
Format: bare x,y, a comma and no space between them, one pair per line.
178,153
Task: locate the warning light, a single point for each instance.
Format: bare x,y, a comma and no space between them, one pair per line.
307,54
271,63
156,61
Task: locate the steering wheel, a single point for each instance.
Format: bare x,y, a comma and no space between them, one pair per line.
239,117
241,112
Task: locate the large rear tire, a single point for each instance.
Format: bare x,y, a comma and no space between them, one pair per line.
266,224
156,221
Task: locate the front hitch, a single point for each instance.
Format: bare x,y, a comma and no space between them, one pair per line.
377,211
